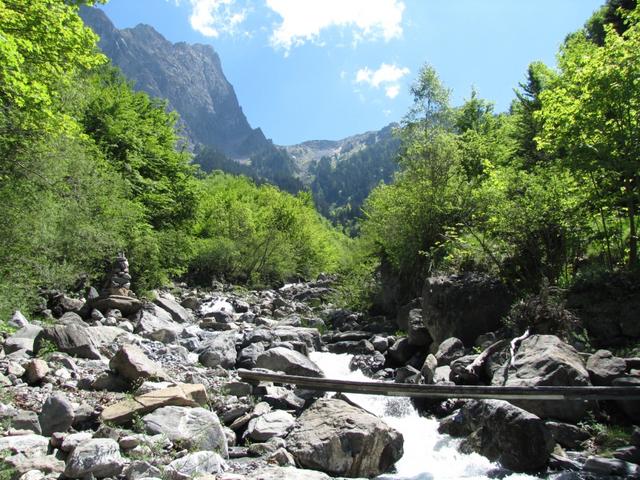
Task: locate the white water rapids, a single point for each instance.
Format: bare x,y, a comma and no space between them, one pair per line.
428,455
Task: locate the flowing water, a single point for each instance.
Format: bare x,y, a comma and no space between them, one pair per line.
428,455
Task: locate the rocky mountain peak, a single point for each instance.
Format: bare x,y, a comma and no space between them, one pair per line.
189,76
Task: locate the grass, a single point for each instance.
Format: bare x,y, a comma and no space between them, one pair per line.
47,347
607,438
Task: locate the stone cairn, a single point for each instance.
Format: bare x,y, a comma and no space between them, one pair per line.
119,282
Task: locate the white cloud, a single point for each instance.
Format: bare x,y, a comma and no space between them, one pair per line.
304,20
212,17
387,76
392,91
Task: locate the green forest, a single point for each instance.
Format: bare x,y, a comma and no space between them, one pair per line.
546,193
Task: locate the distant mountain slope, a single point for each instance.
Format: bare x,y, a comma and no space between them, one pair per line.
190,77
342,173
307,154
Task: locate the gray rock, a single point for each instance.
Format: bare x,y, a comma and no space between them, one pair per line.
547,360
630,407
286,473
18,320
604,368
155,324
56,415
460,375
282,458
71,441
567,435
219,351
288,361
449,350
502,432
337,438
36,370
126,305
400,352
428,370
239,389
442,374
194,465
30,445
47,465
610,467
23,339
367,364
22,420
380,343
72,319
463,306
361,347
417,332
281,398
272,424
99,457
197,428
177,311
628,454
132,364
140,469
69,339
249,355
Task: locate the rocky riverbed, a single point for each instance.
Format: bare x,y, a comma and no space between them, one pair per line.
109,386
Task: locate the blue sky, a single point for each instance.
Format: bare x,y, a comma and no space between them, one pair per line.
327,69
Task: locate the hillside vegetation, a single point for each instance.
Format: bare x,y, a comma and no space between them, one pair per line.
88,168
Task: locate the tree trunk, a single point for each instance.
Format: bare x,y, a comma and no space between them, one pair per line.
633,235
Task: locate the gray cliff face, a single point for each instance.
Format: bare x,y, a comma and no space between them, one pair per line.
190,77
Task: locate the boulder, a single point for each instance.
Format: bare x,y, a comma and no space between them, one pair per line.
272,424
463,306
36,370
285,473
343,440
182,395
56,415
194,465
30,445
43,465
400,352
155,324
502,432
289,362
177,311
126,305
567,435
99,457
367,364
417,332
22,339
18,320
360,347
219,351
194,428
604,368
545,360
449,350
69,339
428,370
630,407
248,356
131,363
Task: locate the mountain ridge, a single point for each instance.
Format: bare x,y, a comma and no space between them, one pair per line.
188,76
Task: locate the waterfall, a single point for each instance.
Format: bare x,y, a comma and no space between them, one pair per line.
428,455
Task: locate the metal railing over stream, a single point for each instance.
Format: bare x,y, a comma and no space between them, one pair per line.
446,391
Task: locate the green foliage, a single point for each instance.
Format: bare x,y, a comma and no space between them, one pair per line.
259,234
47,347
591,114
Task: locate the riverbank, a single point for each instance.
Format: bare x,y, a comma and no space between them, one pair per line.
154,394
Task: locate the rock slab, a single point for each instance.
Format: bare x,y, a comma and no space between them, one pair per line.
343,440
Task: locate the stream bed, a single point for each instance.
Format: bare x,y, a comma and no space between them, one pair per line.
428,454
